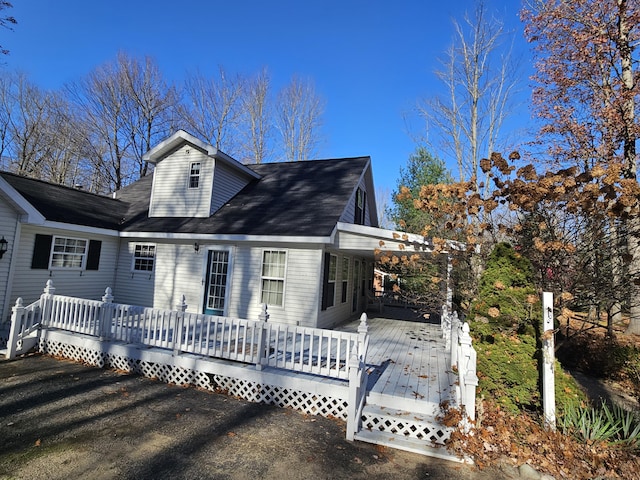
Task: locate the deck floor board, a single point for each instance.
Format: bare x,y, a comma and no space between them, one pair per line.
409,359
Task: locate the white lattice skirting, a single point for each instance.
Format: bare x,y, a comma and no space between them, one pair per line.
407,427
306,393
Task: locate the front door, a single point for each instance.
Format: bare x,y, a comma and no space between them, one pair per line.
215,292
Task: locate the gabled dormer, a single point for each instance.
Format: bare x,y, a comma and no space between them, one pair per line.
192,178
362,209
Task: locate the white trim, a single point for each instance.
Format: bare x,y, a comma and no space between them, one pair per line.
203,284
283,279
159,151
133,257
393,235
17,201
226,238
81,229
173,141
83,262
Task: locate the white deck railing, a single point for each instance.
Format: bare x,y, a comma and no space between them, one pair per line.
301,349
463,359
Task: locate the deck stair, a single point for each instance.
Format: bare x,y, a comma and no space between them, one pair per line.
409,378
415,429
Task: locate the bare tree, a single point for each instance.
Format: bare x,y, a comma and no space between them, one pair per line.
257,117
150,108
298,119
480,79
28,113
212,108
100,100
6,21
124,107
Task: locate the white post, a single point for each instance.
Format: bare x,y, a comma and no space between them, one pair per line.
177,333
263,355
46,299
17,316
467,372
449,289
353,403
106,314
548,362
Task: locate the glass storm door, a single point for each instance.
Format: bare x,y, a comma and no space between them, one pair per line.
216,282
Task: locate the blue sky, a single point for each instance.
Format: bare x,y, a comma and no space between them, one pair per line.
370,60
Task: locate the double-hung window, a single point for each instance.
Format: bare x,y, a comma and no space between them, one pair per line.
194,175
144,257
68,252
274,263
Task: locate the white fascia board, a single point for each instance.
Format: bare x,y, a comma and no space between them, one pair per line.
81,229
393,235
227,238
173,141
29,213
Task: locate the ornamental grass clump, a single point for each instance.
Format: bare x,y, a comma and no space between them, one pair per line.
604,423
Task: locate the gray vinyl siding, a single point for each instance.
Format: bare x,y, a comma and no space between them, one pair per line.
226,184
171,195
8,227
349,213
133,288
301,296
179,270
29,283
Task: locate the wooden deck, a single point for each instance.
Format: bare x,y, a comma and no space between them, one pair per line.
408,366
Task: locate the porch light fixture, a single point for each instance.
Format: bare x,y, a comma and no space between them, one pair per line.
196,248
4,245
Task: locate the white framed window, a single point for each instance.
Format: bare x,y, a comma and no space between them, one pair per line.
274,267
144,255
68,253
194,175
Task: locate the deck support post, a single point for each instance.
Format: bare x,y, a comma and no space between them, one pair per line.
467,372
181,308
262,353
357,379
46,300
17,314
106,315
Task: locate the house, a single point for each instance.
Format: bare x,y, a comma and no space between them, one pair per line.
298,237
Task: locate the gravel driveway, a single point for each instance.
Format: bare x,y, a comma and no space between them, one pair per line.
63,420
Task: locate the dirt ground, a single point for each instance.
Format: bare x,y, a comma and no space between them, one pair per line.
62,420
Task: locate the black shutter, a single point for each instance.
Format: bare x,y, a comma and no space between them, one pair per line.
364,207
41,252
325,281
93,255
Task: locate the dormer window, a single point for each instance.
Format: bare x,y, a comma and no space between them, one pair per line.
194,175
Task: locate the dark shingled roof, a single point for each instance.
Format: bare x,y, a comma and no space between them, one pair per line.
58,203
292,199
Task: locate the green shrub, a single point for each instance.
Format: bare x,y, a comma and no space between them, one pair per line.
508,371
506,294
